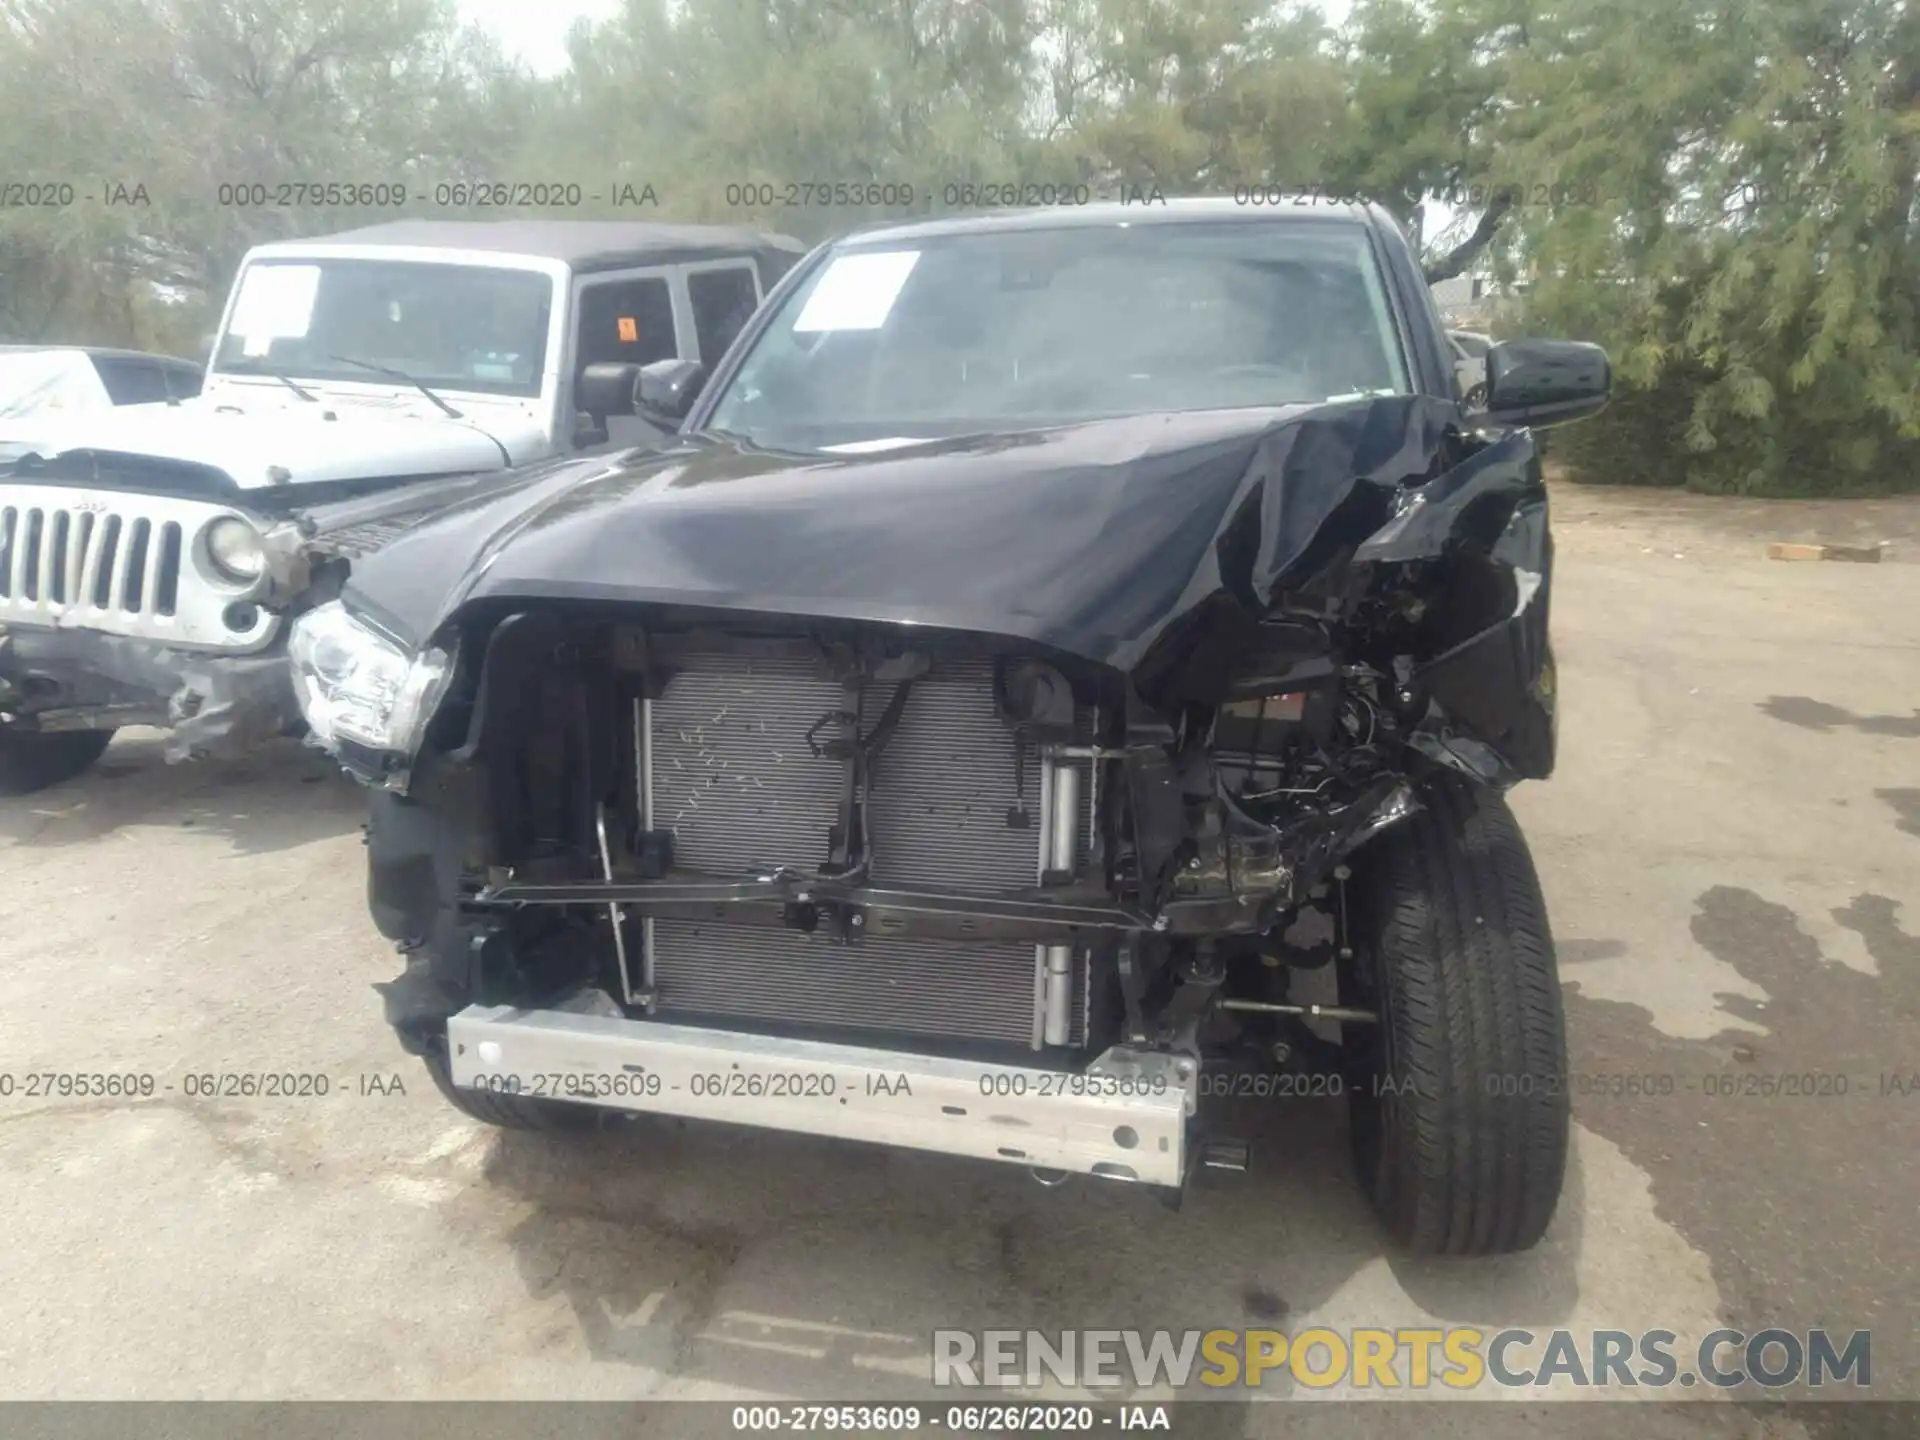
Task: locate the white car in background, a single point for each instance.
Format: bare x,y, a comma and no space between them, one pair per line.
151,556
1470,364
42,381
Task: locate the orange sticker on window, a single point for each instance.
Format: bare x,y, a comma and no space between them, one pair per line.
629,330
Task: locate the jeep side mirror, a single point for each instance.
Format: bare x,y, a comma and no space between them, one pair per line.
607,389
1546,382
668,388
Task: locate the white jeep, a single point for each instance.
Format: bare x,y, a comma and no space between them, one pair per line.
151,558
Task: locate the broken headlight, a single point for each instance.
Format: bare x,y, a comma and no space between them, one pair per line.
366,699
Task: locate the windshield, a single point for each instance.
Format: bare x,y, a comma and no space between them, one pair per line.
1009,330
457,327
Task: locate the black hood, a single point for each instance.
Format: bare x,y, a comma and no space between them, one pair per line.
1125,542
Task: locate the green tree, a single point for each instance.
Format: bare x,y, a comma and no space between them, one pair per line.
146,108
1738,227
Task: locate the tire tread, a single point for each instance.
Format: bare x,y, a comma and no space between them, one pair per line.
32,760
1448,908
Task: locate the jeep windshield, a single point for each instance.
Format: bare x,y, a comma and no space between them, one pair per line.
1007,330
451,327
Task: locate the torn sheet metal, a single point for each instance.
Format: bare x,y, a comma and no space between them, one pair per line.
1153,544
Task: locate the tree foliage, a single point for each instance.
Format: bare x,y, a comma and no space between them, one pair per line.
1721,191
141,110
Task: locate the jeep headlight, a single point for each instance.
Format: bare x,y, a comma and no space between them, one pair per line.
366,699
234,548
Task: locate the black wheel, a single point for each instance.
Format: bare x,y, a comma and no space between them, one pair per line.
1476,397
1458,1097
32,760
511,1112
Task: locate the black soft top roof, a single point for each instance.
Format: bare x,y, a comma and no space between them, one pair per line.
583,244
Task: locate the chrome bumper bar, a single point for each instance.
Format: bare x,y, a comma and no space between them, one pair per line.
1124,1117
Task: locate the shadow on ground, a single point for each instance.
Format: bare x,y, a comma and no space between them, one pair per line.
835,1261
283,795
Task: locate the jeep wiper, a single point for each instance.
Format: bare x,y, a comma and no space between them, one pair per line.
286,380
399,375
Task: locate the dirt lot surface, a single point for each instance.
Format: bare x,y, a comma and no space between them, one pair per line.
1731,851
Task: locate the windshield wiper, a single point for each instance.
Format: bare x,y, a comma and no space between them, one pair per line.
285,380
399,375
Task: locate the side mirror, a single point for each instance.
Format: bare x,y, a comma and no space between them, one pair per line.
1546,382
606,389
668,388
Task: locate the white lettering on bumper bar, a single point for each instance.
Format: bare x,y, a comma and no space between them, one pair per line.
1124,1117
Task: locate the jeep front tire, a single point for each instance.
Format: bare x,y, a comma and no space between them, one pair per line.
33,760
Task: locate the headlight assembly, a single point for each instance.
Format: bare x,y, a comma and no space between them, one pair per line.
366,699
234,548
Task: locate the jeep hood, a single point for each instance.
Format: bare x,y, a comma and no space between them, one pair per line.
1150,544
310,442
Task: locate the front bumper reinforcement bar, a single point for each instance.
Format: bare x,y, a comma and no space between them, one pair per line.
640,896
1124,1117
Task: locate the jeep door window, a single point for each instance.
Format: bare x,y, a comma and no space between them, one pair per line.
723,301
452,327
628,322
1021,329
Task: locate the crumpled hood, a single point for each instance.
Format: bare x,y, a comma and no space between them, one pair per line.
1154,545
301,440
1111,540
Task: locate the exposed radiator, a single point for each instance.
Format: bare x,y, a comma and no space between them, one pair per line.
735,779
966,991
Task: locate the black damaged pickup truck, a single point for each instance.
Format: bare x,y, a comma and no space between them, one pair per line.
1049,639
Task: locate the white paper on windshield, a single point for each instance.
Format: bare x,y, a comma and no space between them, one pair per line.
857,292
275,301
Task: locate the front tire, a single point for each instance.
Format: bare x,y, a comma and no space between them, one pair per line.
511,1112
1458,1097
33,760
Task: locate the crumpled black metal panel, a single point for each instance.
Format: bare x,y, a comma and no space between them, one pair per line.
1147,544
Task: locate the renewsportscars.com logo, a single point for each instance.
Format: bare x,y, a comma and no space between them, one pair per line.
1458,1357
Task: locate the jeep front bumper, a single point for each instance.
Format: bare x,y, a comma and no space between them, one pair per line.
84,680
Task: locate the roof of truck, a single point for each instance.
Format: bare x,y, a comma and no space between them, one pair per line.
581,244
1172,210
